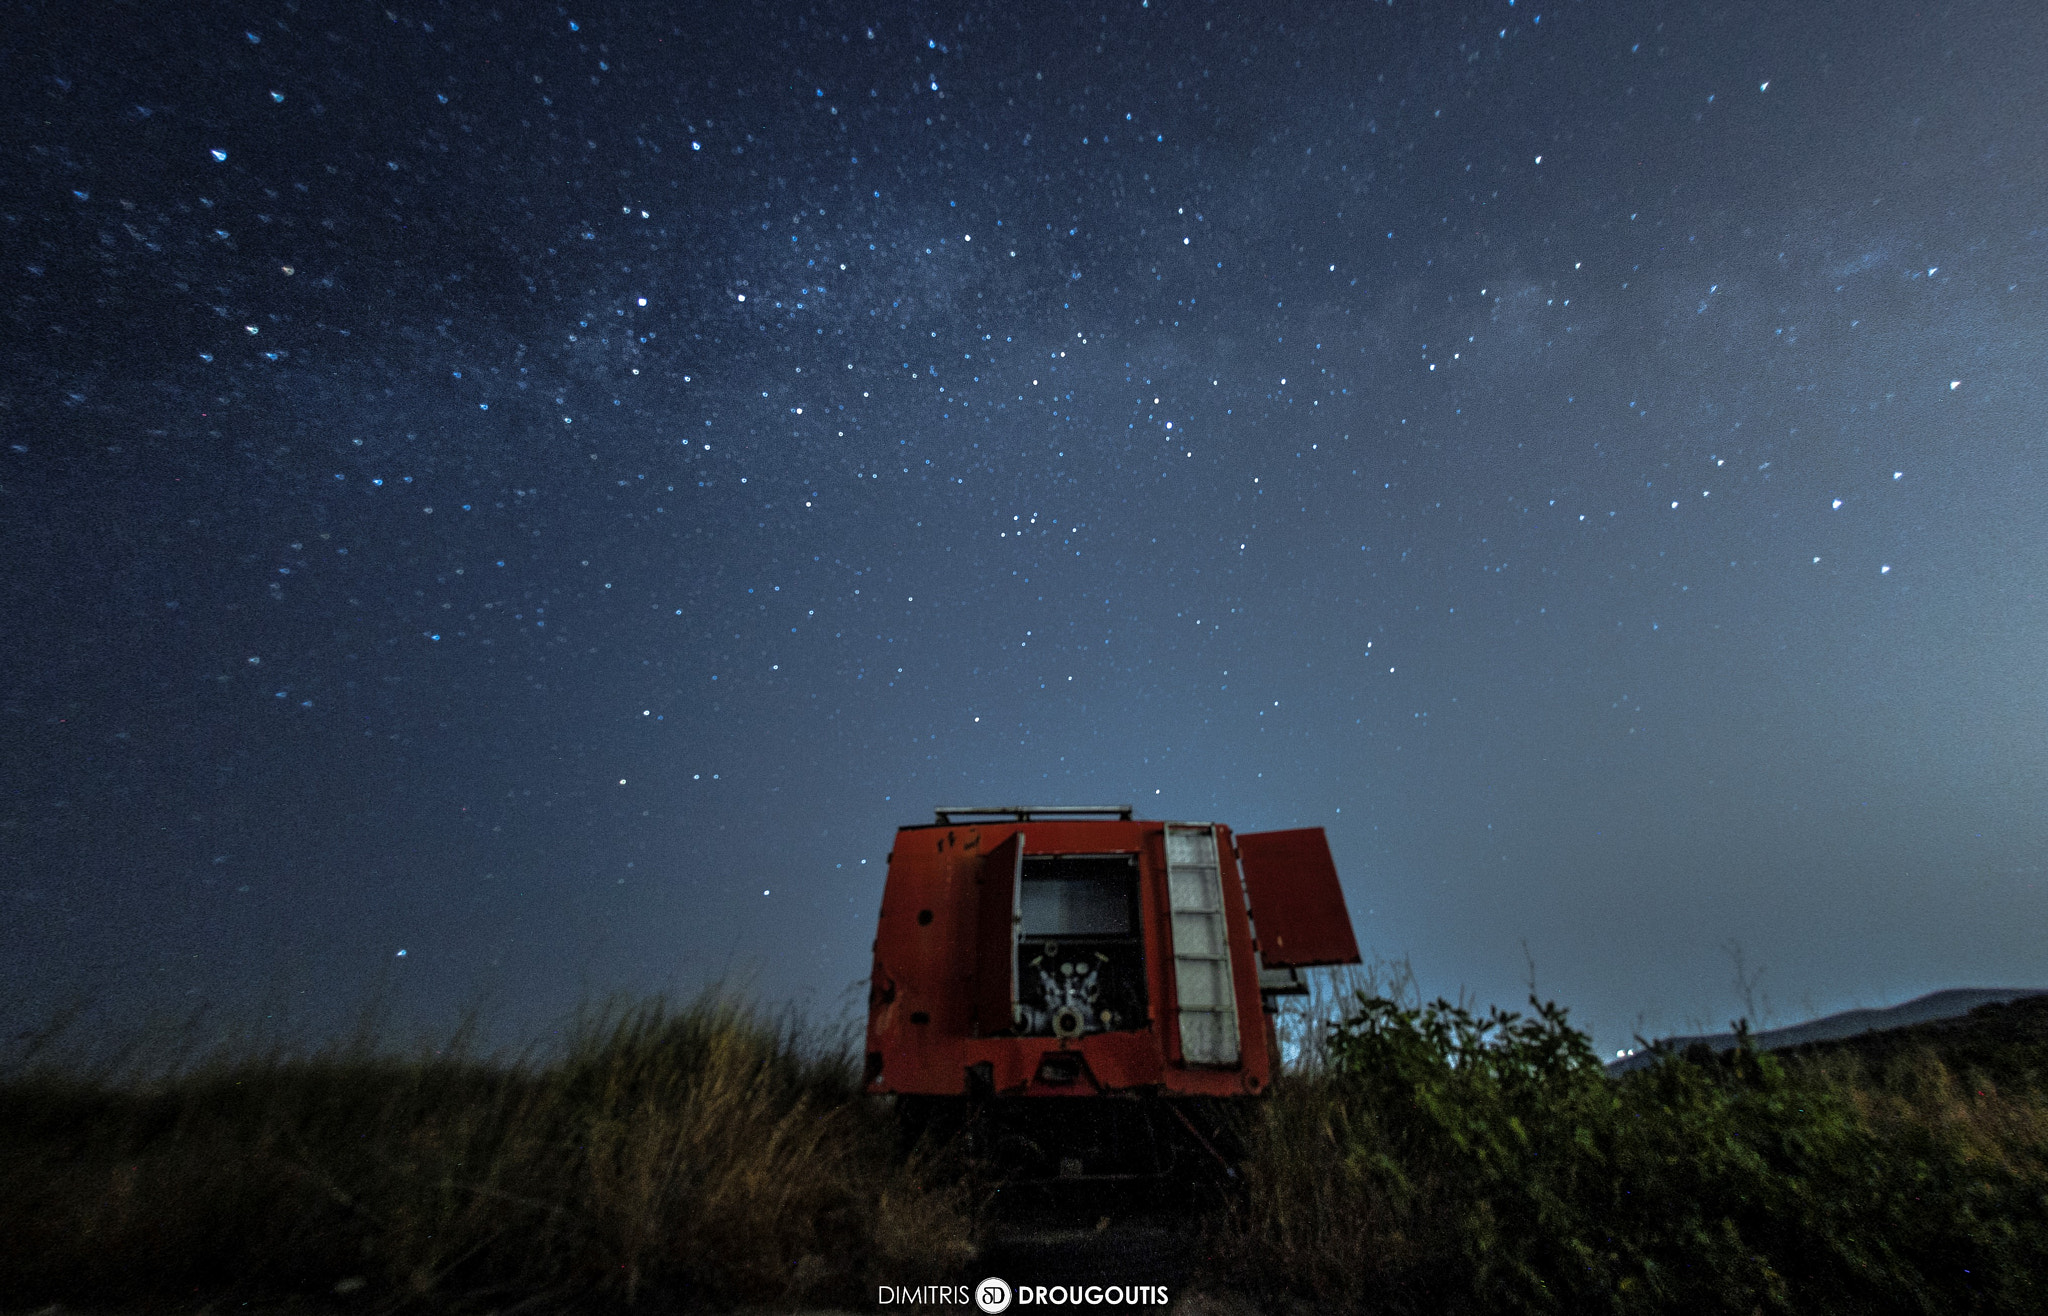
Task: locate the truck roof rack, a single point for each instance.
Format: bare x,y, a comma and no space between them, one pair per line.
1026,812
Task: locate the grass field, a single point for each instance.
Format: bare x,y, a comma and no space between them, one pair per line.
701,1155
1417,1158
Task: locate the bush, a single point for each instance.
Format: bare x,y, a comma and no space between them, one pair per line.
1438,1160
699,1155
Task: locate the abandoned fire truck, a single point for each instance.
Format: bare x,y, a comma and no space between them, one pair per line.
1087,990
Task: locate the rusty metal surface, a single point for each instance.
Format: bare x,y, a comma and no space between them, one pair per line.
943,943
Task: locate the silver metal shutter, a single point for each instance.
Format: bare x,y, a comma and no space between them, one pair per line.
1201,947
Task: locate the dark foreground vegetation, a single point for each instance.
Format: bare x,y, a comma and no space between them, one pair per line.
1423,1160
702,1156
1437,1161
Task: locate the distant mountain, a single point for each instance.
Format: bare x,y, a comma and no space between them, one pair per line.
1931,1008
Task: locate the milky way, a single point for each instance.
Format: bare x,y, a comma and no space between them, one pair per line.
514,506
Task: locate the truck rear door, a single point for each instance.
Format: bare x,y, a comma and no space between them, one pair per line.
997,913
1297,904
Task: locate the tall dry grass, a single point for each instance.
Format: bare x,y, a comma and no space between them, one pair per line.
1414,1158
699,1154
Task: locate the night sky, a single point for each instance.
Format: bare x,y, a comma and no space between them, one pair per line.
502,507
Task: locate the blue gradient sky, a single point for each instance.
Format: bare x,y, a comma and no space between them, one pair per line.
551,494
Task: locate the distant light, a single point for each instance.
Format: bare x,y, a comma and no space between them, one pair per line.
400,955
643,301
219,155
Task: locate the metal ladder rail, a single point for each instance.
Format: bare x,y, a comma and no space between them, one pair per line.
1201,947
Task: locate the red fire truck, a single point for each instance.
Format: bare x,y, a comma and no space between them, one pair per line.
1088,983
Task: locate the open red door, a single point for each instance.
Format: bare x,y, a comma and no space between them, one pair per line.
1296,901
995,937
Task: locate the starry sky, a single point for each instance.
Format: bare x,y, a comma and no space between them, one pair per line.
507,506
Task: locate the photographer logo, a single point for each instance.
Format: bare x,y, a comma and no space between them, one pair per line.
992,1295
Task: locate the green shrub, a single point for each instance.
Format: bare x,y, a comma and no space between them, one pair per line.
1438,1160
